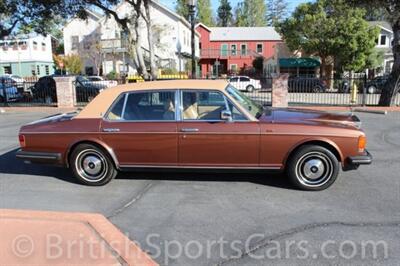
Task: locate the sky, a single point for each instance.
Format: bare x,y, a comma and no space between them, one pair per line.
292,3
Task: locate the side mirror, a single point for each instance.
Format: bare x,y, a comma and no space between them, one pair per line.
226,115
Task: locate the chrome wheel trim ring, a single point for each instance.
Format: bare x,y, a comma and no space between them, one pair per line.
314,169
91,165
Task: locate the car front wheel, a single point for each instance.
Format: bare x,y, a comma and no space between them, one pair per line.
313,168
91,165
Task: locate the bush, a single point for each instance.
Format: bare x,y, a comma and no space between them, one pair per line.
112,75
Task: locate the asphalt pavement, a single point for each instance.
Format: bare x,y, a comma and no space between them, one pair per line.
230,219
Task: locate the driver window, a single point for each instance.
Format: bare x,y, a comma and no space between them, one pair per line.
206,106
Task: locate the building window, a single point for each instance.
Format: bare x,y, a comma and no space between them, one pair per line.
33,70
34,45
259,48
23,45
224,49
233,49
7,70
43,46
47,70
243,49
38,70
383,40
74,42
233,67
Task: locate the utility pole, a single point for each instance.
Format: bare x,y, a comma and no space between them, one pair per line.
192,11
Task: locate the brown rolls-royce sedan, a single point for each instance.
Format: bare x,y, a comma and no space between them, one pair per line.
197,125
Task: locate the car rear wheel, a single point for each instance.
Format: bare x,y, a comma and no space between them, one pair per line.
313,168
250,88
91,165
371,89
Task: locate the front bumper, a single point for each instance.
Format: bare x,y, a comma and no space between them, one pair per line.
354,162
39,157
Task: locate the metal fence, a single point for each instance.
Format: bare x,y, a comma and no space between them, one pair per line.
302,91
15,92
336,92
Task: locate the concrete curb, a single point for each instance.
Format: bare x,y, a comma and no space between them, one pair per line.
45,238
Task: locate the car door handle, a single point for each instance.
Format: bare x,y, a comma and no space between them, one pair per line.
190,130
111,129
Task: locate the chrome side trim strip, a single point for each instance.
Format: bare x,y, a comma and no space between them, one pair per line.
201,167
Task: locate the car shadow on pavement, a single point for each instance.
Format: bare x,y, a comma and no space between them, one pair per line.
10,165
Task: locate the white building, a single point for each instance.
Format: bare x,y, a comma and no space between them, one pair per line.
27,55
384,43
99,43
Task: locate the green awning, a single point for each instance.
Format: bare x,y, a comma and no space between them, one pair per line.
299,62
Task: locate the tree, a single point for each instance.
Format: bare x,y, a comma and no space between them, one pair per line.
131,24
258,63
392,15
224,13
182,9
250,13
204,13
330,29
33,14
73,64
277,11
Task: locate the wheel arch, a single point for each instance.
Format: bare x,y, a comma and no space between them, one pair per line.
96,143
326,143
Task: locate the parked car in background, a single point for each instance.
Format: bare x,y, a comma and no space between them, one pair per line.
10,91
101,81
306,84
15,80
86,90
376,85
199,124
244,83
44,89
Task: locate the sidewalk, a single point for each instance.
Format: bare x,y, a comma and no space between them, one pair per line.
50,238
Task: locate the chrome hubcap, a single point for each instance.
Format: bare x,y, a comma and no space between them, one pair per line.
314,169
91,165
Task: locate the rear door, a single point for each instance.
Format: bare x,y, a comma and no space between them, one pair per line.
141,128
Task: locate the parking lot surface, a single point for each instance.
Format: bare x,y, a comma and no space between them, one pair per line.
230,218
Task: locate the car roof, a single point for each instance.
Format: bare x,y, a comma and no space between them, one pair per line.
99,106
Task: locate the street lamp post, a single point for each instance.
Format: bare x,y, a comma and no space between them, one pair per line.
192,11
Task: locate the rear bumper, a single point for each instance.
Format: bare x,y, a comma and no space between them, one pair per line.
39,157
354,162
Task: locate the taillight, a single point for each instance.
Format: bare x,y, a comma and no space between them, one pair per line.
362,143
22,141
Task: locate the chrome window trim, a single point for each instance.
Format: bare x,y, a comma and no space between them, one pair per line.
126,95
226,99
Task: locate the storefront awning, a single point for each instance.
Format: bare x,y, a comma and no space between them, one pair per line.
299,62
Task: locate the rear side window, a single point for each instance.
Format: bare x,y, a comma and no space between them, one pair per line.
116,110
243,79
150,106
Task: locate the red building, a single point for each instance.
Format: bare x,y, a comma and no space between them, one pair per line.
226,50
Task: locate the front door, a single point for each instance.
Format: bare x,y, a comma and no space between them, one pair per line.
141,129
205,140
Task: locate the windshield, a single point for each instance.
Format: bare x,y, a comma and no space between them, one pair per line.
254,108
